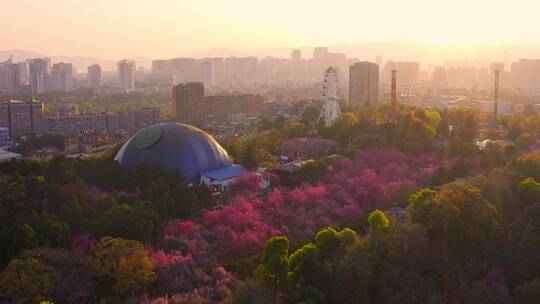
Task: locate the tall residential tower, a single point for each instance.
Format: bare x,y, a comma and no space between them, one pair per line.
94,77
39,71
189,105
363,84
126,75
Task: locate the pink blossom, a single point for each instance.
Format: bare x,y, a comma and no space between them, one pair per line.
181,228
351,187
83,242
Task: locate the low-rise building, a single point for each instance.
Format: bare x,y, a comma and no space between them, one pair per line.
75,124
7,156
221,181
47,153
97,142
130,121
72,146
21,117
301,148
293,166
134,120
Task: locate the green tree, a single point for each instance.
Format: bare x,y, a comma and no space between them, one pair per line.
528,292
378,221
204,196
528,190
465,123
352,273
304,261
295,129
249,159
274,264
443,128
433,118
12,190
186,202
419,205
524,250
23,237
463,221
334,261
413,134
524,140
71,213
27,281
61,170
526,165
311,172
310,115
50,230
263,123
123,266
127,222
164,202
75,282
267,147
344,129
58,233
327,241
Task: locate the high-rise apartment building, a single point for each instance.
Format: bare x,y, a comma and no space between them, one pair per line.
379,61
241,69
186,70
272,70
94,78
386,72
320,54
126,75
188,102
161,66
61,77
409,72
9,75
319,63
23,72
296,55
439,75
506,61
526,73
363,84
297,70
218,70
38,72
207,73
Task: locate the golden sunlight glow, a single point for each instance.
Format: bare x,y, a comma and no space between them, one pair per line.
165,28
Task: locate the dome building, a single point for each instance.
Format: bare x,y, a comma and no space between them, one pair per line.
180,147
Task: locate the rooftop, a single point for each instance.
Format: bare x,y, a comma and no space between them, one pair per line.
225,173
7,155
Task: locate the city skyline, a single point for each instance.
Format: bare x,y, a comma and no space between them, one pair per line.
425,54
144,28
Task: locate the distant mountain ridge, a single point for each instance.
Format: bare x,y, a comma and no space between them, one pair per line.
397,50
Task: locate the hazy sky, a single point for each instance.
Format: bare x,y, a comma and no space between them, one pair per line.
165,28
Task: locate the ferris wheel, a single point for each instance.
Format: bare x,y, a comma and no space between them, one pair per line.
330,110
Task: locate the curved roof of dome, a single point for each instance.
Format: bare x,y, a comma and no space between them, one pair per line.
175,146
